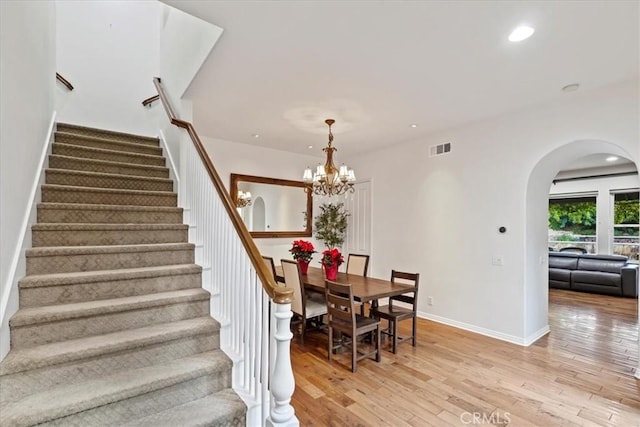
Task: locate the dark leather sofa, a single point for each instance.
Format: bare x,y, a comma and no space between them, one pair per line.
601,274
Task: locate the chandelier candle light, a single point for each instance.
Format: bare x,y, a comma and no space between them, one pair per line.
243,199
328,180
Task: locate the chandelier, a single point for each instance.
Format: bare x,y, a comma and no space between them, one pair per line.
328,180
243,199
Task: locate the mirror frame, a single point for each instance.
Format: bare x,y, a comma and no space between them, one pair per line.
235,178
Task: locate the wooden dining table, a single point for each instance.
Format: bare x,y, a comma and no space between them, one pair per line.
365,289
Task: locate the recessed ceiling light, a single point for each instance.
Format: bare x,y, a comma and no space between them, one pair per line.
256,135
571,88
520,33
612,158
310,146
413,125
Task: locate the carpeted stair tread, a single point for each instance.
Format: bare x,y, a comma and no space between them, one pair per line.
223,408
71,150
74,234
51,212
83,130
107,180
122,227
67,288
106,166
58,279
68,351
67,259
114,249
74,398
56,313
74,194
106,143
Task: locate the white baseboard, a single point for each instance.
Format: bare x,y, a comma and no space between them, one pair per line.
536,335
484,331
17,269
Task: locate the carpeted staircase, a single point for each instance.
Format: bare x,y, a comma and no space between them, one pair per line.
113,327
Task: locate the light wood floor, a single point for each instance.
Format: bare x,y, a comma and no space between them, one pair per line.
579,374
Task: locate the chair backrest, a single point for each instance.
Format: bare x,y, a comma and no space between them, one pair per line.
340,303
357,264
268,261
409,279
293,280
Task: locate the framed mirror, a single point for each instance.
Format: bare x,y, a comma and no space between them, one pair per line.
272,207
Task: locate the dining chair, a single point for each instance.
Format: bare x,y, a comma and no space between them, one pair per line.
268,261
306,308
357,264
342,317
395,313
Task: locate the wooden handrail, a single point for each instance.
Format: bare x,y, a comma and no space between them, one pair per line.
150,100
64,81
279,294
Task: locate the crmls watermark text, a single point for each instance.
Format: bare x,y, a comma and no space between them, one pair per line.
481,418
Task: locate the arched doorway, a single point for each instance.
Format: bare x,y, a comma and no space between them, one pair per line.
536,249
259,215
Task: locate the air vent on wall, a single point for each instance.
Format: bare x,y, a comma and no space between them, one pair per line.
436,150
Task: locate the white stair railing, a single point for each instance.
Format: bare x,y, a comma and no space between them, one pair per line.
253,311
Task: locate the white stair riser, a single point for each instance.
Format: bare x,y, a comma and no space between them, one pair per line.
18,385
44,333
81,292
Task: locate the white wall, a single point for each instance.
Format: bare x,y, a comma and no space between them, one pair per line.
441,215
604,213
109,51
185,44
27,82
230,157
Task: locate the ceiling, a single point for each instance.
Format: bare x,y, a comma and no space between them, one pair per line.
281,67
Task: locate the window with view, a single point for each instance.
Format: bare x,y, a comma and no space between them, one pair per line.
626,227
572,223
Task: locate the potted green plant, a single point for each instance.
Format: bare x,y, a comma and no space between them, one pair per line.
331,224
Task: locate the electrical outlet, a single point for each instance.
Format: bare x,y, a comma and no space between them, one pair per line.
430,300
497,260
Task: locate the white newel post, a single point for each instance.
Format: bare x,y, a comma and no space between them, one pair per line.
282,381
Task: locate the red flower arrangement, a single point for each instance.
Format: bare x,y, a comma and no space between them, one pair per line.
332,257
302,250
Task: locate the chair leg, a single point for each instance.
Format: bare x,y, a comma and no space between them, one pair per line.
330,342
303,326
378,355
395,336
414,330
354,353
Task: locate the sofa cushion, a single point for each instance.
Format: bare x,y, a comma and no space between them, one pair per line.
567,261
596,289
559,274
606,263
600,278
